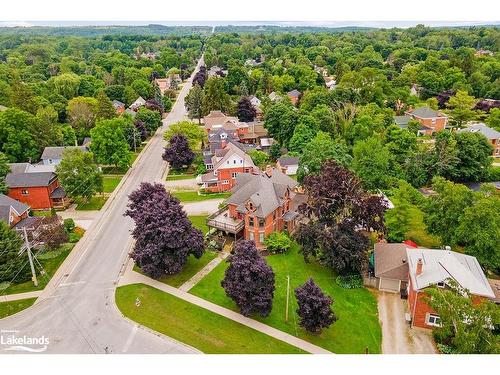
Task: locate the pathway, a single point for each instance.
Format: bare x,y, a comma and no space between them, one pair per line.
397,337
188,285
136,278
18,296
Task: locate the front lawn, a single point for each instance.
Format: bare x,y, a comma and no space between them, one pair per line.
175,177
199,222
193,325
110,182
193,196
357,327
94,204
12,307
50,266
191,268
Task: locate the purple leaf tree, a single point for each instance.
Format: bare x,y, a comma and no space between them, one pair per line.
314,310
163,233
249,280
178,153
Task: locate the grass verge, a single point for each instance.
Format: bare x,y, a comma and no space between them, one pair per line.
357,327
193,325
12,307
110,182
94,204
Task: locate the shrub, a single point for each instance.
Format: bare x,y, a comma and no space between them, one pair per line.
278,242
349,281
69,225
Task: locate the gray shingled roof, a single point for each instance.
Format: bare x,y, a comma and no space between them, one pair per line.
287,160
483,129
6,203
18,167
295,93
19,180
58,193
402,121
391,261
425,112
266,193
56,152
5,213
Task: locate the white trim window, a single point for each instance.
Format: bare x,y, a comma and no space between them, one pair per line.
433,320
261,237
225,182
234,174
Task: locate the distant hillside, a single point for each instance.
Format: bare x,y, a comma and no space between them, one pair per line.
106,30
268,29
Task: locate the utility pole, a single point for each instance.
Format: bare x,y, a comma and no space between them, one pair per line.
287,296
30,255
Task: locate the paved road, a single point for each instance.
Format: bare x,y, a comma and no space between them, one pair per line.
77,311
397,337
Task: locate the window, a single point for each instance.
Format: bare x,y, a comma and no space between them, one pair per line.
209,166
434,320
24,192
250,221
261,237
261,222
215,173
251,237
234,161
440,284
225,182
234,174
433,121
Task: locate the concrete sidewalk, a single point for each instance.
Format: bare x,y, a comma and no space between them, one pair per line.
136,278
18,296
188,285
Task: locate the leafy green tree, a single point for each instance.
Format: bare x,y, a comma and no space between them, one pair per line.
105,109
47,131
16,138
194,102
68,135
66,84
321,148
215,96
109,142
474,157
479,230
397,219
325,117
467,327
259,158
4,171
280,120
11,264
443,158
22,97
371,163
82,114
150,118
78,174
493,120
194,133
167,103
278,243
302,135
444,210
142,88
461,105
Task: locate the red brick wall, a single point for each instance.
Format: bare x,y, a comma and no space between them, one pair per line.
38,198
437,126
418,310
225,174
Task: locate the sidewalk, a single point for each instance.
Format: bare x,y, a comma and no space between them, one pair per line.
131,277
18,296
188,285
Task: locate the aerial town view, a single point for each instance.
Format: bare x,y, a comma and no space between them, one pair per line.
249,188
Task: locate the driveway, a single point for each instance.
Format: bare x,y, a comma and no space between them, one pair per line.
202,208
397,337
83,219
189,184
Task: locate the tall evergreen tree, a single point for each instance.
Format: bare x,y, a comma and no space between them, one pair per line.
194,102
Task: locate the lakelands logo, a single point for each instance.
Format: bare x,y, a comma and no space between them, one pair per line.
14,342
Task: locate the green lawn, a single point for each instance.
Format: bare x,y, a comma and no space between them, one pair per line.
12,307
193,325
191,268
357,327
193,196
49,265
199,222
418,231
175,177
95,203
110,182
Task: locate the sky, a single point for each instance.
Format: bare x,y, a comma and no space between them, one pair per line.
375,13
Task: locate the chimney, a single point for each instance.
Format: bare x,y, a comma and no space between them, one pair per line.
269,170
420,266
223,143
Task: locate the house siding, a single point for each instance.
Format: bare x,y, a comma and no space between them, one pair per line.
38,197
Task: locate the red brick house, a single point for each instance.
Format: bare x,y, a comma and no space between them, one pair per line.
492,135
39,190
428,268
431,120
12,211
261,203
225,165
294,96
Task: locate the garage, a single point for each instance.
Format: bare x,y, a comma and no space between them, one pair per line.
391,267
